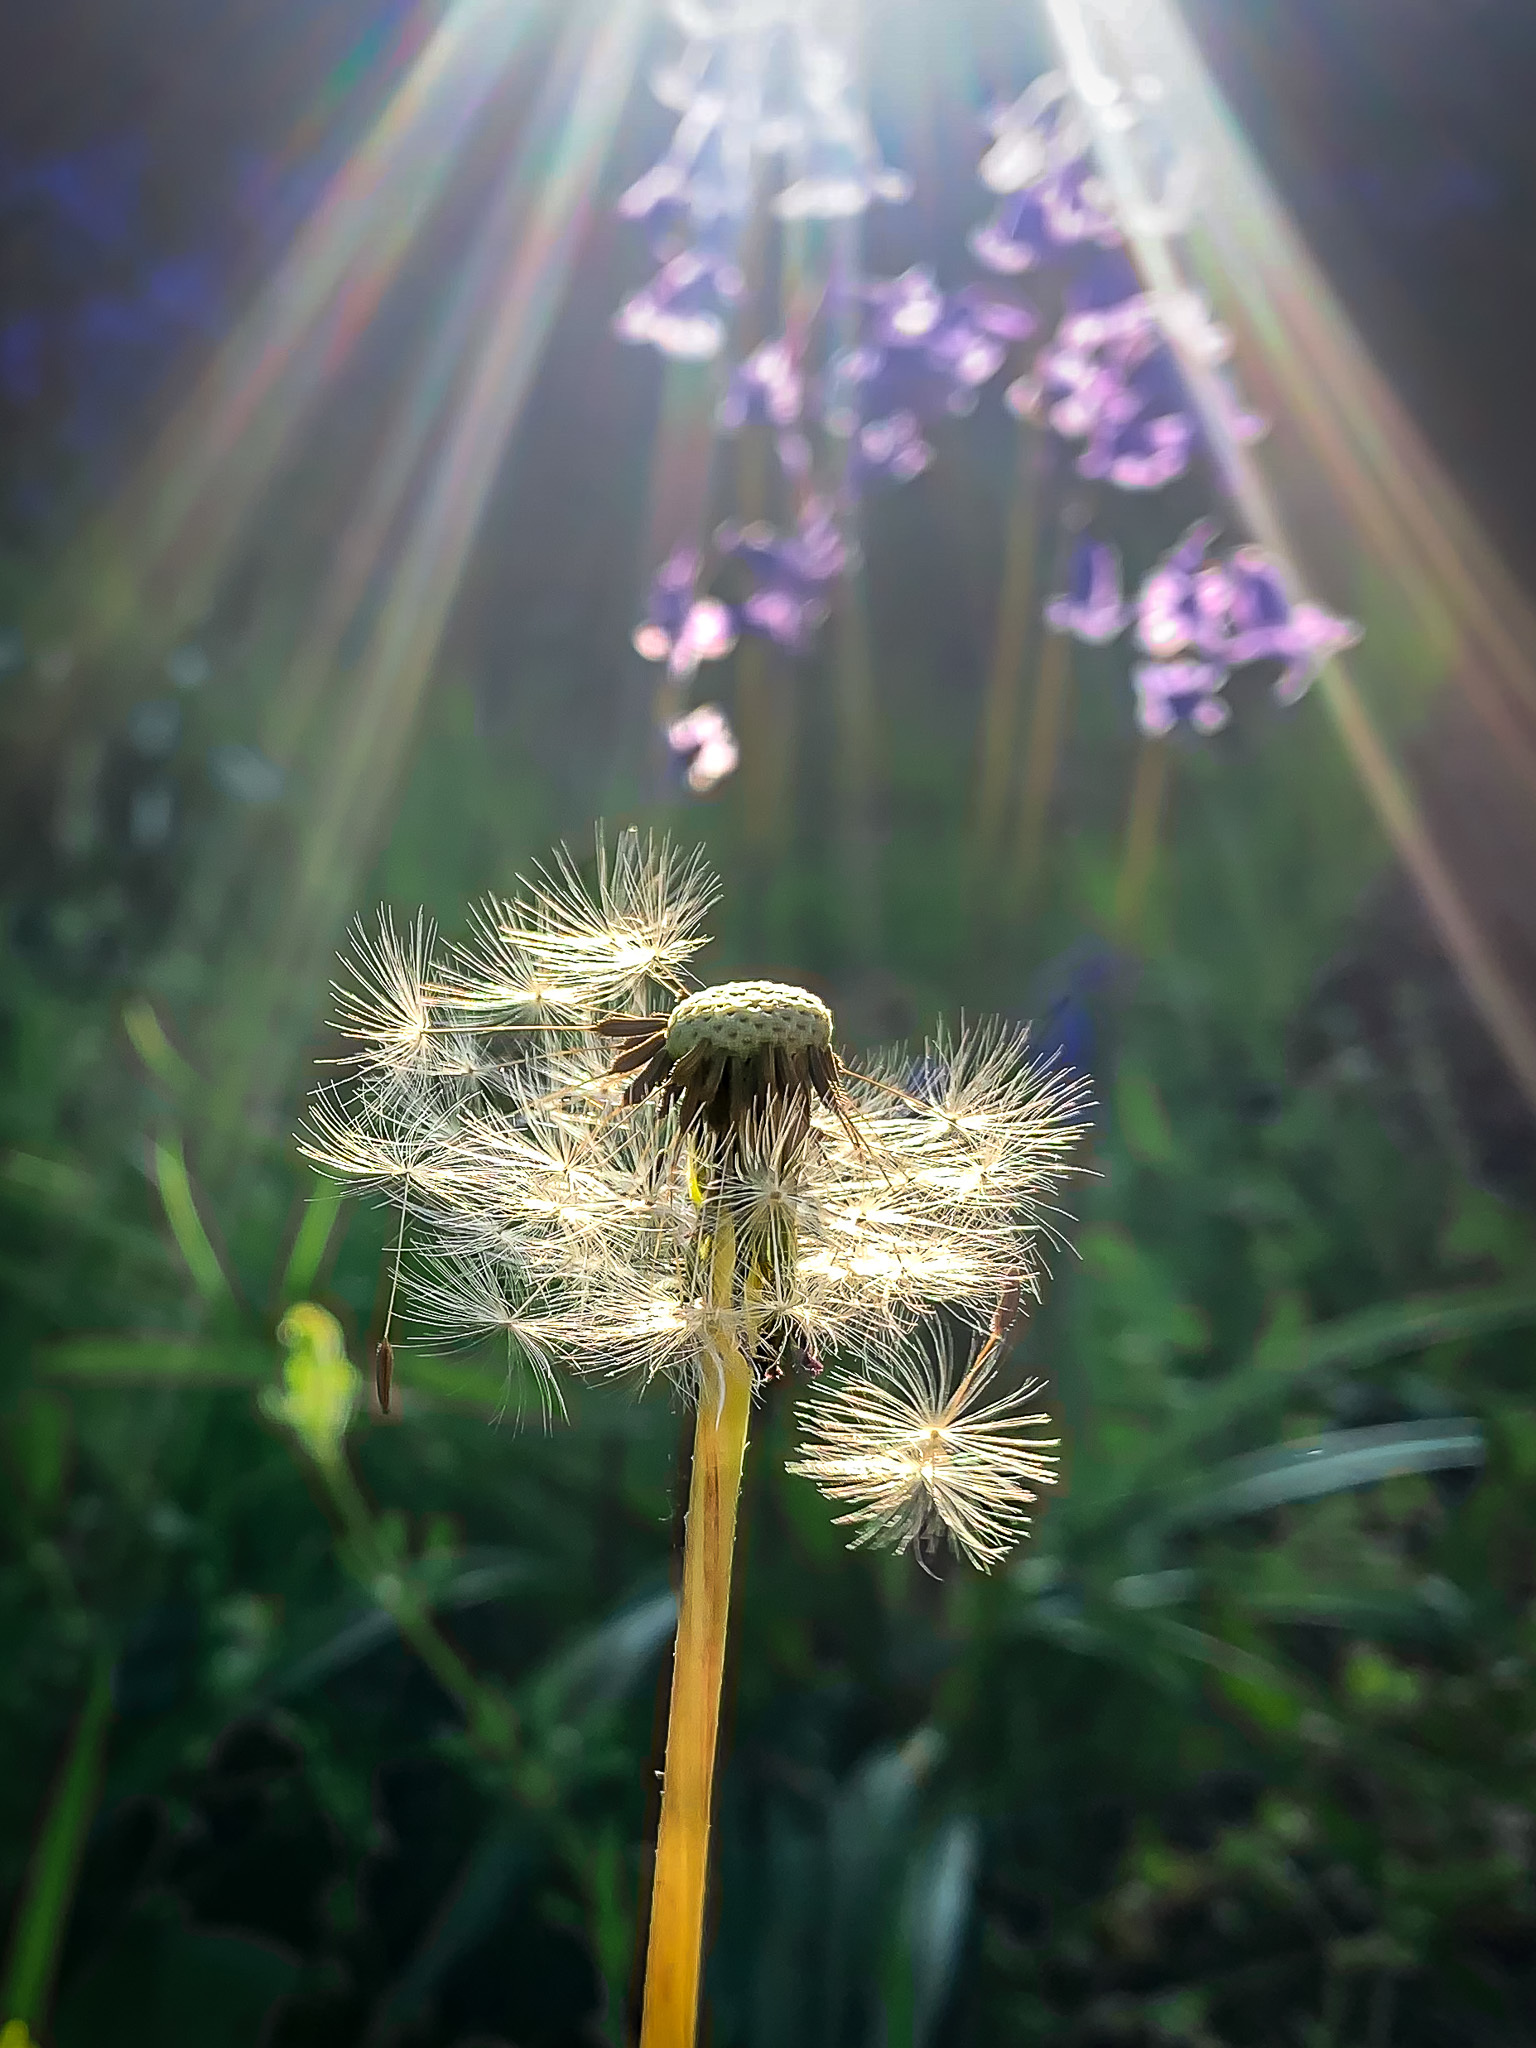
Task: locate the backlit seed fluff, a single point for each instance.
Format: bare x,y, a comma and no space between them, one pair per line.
921,1455
622,1173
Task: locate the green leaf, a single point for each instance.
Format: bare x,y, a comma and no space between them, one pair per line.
136,1361
161,1984
365,1629
1330,1463
322,1213
1142,1117
1285,1360
48,1890
39,1436
180,1205
938,1911
602,1666
147,1036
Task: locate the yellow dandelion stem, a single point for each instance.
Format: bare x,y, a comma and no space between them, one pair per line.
682,1841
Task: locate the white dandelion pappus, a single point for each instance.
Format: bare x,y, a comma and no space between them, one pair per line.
622,1178
920,1455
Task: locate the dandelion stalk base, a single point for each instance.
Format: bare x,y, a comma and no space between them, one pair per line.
682,1842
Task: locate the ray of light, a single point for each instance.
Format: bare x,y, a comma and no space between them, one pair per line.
187,510
360,547
1388,493
355,783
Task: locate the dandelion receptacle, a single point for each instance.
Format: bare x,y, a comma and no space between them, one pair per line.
628,1175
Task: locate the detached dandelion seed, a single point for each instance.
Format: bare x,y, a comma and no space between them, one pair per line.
623,1174
923,1457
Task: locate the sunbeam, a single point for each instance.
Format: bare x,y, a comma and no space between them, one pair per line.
1407,520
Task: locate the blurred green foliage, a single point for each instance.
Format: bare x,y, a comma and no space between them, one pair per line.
1236,1751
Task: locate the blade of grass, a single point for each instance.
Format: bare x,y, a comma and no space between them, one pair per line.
180,1205
50,1881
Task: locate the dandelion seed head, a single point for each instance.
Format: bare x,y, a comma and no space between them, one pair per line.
619,1174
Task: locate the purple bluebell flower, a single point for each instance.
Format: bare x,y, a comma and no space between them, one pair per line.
1040,130
921,351
789,618
841,175
1170,693
904,311
889,450
1093,606
1142,453
1267,626
1170,616
704,746
768,384
1007,320
1105,301
1076,205
681,312
679,628
792,572
1014,236
1316,637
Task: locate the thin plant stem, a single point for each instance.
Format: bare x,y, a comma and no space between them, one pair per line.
1042,752
1000,711
676,1935
1142,828
55,1866
491,1723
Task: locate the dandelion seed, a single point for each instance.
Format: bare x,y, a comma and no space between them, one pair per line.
923,1457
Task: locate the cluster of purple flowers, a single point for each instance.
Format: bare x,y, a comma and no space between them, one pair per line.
863,367
1108,380
761,98
1195,619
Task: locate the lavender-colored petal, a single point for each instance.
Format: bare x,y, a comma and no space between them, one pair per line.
1192,547
679,312
906,309
1316,636
1093,606
702,739
663,185
784,617
1005,320
892,448
1143,455
1076,205
765,385
668,604
1014,238
1170,693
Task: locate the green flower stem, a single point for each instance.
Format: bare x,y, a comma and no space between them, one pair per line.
49,1887
491,1723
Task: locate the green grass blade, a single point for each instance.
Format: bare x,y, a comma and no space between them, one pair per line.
180,1205
322,1214
50,1881
141,1361
1333,1463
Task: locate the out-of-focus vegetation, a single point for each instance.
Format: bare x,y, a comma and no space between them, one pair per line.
307,1748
